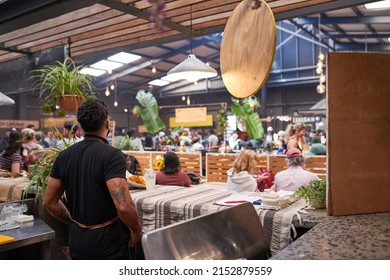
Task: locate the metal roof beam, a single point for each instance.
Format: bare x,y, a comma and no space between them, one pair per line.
346,20
130,9
363,47
320,8
356,36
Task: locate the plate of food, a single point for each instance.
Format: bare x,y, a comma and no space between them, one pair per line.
136,181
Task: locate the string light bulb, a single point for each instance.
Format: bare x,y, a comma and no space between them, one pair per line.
116,103
183,98
320,64
154,70
322,78
112,87
321,88
109,71
107,92
188,100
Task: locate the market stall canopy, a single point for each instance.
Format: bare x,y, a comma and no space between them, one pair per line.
5,100
317,109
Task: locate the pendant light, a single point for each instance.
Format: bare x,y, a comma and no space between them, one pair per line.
192,69
5,100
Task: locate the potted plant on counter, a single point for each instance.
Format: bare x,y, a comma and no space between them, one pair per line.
314,194
62,84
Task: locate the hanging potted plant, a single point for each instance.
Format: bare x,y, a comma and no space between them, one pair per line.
62,84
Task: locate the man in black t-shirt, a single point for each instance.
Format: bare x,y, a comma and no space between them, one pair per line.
102,218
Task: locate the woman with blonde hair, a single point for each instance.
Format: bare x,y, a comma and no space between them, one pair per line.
242,177
297,139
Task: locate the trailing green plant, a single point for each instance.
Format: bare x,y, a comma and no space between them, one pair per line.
148,110
125,143
244,110
60,79
314,194
222,120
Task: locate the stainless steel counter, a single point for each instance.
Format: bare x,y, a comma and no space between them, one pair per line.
35,232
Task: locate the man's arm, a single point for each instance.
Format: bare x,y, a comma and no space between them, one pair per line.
52,202
125,207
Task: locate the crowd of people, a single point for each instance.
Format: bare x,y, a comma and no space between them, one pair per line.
93,173
21,148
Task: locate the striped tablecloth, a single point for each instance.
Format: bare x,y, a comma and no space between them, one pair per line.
11,188
171,204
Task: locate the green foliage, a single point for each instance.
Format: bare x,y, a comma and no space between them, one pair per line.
148,110
314,193
125,143
61,79
242,109
222,120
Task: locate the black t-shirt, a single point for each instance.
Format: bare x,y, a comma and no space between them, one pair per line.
84,169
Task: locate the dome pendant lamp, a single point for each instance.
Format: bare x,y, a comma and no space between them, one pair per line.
192,69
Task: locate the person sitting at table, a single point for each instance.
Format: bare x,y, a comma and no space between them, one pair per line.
242,176
171,173
295,175
10,158
132,165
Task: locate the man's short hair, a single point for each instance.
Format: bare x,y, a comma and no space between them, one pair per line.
92,114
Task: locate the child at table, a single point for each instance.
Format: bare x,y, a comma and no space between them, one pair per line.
242,176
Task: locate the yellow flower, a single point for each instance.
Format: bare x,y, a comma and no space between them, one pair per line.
159,163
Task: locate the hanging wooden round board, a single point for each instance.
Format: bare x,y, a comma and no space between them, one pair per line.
248,48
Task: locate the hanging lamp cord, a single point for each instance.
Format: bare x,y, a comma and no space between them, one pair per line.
191,27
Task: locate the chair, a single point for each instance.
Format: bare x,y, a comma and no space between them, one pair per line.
232,233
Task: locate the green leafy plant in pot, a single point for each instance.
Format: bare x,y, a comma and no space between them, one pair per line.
314,194
64,84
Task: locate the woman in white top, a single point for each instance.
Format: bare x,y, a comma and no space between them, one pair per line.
242,176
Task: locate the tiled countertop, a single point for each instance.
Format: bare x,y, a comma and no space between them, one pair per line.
355,237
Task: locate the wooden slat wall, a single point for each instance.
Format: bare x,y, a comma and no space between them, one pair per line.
218,164
277,163
189,162
316,165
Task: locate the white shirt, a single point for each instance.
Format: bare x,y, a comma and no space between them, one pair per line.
241,182
213,140
293,178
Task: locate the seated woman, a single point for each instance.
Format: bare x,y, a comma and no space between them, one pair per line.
171,173
10,158
132,165
242,176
